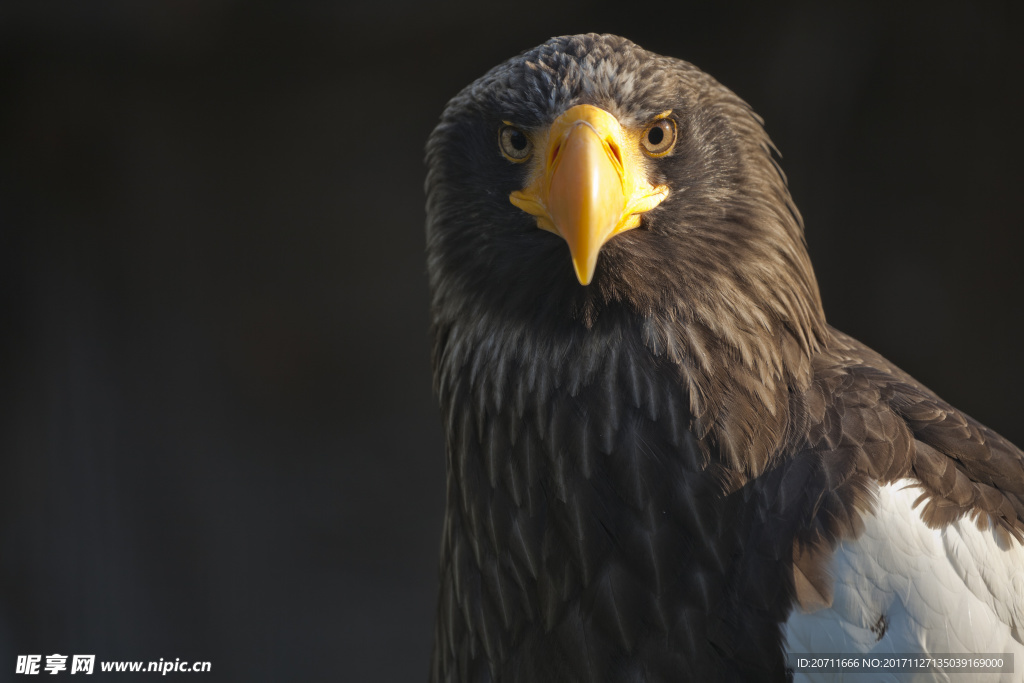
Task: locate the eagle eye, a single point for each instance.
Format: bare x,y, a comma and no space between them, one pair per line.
659,138
515,144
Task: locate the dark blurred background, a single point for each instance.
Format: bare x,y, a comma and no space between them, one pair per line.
217,431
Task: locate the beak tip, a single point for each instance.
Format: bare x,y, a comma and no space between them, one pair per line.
584,271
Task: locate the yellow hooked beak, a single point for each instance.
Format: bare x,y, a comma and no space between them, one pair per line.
588,184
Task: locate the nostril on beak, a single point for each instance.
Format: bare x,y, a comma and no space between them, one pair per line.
615,151
554,153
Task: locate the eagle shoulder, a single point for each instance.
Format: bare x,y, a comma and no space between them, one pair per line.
916,515
866,417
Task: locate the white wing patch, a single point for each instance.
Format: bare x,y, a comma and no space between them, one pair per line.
904,588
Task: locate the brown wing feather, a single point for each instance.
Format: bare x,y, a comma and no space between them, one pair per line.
871,422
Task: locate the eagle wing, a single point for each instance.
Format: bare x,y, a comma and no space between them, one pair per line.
916,517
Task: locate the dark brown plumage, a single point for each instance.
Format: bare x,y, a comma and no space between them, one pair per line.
647,474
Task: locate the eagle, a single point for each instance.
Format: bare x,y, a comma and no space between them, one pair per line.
662,463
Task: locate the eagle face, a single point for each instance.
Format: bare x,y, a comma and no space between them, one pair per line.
700,194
